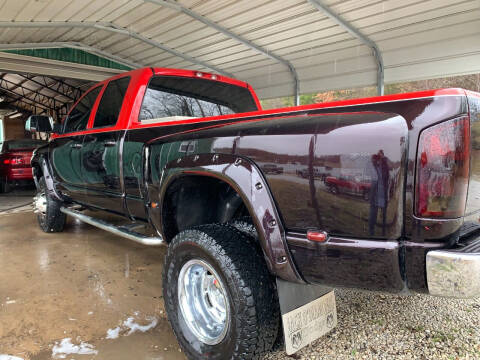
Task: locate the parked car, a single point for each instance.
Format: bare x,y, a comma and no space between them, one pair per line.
272,169
180,150
318,172
15,168
349,185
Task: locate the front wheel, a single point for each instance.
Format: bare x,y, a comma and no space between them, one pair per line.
49,216
219,297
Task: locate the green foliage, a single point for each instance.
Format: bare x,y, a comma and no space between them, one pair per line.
469,82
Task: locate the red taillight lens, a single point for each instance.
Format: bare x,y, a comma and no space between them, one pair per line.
442,169
13,161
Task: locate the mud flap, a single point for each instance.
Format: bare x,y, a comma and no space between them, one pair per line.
308,312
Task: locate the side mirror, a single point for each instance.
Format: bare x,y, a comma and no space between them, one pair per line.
57,128
39,123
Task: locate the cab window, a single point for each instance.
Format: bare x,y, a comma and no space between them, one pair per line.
77,119
111,103
170,98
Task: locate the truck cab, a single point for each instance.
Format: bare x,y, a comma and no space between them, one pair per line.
94,161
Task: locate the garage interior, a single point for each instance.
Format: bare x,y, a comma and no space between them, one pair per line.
104,293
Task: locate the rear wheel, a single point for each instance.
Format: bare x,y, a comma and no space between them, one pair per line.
366,196
245,225
220,298
49,216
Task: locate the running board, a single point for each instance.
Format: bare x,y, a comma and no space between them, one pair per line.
117,230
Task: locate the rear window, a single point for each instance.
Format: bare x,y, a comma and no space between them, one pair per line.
171,97
27,144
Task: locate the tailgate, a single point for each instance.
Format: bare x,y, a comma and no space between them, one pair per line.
473,199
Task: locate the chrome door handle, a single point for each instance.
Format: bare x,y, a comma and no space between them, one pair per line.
109,143
76,146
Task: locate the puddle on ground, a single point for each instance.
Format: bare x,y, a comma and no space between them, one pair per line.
157,344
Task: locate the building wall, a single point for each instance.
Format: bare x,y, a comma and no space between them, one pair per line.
14,128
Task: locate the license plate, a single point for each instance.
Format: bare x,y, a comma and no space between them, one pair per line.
309,322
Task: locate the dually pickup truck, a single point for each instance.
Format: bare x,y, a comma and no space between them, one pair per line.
253,254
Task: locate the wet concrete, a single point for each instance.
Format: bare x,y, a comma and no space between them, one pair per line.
18,197
79,284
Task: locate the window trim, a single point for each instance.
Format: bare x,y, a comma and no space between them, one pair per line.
91,122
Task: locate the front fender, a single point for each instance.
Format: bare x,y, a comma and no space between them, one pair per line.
41,167
246,179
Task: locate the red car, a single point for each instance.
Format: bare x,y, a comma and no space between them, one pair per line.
348,185
15,165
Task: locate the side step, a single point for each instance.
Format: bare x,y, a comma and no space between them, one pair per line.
117,230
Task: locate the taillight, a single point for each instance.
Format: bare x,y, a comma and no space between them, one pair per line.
18,160
442,169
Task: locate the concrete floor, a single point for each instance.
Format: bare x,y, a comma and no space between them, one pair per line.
19,199
83,284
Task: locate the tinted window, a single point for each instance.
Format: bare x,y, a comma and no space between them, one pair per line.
23,144
111,103
77,119
169,96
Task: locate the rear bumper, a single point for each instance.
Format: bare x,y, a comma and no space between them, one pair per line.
454,273
13,174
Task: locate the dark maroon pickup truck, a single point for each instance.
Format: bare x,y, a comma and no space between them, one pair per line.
192,155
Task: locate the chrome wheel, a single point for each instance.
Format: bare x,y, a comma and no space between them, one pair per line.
40,203
203,301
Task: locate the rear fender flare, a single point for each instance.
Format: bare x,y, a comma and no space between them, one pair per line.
246,179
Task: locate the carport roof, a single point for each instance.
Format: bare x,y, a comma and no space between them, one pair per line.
39,94
324,44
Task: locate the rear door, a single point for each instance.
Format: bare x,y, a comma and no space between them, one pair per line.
100,152
66,149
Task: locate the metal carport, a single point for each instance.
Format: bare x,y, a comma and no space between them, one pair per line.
282,47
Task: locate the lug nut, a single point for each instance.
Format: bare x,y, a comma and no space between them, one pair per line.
258,186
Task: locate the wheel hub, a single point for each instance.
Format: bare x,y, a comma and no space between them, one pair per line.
203,301
40,203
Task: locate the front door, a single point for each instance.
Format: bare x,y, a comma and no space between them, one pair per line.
100,159
66,149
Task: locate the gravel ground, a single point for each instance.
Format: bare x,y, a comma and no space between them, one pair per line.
383,326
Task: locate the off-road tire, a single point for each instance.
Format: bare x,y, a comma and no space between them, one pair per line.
250,289
53,220
245,225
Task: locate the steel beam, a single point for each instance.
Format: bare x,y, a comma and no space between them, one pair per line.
49,87
178,7
357,33
38,98
14,63
113,28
